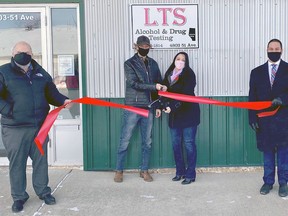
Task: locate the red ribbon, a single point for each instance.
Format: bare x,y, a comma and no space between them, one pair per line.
269,113
257,105
43,132
52,116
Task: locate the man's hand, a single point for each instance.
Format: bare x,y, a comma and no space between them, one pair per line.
255,126
167,110
68,103
276,102
160,87
158,113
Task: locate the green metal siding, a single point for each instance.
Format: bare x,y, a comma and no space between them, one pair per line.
224,138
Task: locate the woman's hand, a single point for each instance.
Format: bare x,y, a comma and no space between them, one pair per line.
167,110
158,113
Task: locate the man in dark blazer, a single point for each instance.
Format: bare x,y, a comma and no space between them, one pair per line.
269,82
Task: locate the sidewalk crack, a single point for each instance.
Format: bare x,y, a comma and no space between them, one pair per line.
55,189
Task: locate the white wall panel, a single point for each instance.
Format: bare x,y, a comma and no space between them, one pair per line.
233,35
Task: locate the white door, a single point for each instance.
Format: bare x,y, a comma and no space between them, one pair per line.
65,147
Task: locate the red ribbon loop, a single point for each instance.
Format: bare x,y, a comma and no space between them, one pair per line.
52,116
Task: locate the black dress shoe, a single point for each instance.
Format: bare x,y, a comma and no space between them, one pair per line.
178,178
18,205
283,191
48,199
265,189
187,181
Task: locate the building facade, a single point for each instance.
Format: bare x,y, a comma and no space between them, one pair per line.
84,43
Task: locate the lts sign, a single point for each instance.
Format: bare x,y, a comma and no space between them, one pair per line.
168,26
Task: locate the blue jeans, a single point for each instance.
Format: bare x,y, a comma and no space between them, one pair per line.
188,135
282,165
130,121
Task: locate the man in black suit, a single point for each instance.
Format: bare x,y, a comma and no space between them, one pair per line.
269,82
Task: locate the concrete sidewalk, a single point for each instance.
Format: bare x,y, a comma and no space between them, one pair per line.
233,193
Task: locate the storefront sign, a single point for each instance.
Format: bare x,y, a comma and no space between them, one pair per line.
168,26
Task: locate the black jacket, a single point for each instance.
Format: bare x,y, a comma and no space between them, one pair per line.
141,81
25,101
273,129
183,114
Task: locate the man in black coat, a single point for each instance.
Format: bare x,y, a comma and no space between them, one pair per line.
269,82
143,80
26,90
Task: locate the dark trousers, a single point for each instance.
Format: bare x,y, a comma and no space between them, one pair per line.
188,135
282,165
19,144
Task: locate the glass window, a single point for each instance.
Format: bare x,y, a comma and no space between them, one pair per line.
65,56
16,26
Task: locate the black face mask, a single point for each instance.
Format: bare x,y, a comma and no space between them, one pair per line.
22,58
143,52
274,56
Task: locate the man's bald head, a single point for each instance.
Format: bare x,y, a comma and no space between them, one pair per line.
22,47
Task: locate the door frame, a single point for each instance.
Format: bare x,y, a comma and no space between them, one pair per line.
52,145
47,57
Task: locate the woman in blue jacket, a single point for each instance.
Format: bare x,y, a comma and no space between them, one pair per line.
184,117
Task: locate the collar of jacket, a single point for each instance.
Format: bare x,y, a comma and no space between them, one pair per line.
34,64
140,58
